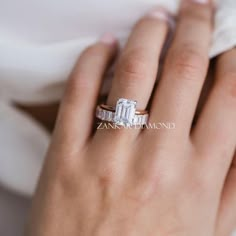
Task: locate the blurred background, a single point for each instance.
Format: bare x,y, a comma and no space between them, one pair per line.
39,44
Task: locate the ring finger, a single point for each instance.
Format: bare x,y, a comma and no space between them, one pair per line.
137,67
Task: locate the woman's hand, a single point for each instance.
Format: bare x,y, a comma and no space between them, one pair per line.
145,182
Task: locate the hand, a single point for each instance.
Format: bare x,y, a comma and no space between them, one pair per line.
127,182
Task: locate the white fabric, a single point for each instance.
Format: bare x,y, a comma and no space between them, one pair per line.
39,43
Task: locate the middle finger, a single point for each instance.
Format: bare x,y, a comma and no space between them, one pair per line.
185,68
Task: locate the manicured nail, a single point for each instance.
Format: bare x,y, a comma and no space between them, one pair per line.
159,13
108,38
201,1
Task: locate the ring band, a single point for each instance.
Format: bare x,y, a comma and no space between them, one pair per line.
124,114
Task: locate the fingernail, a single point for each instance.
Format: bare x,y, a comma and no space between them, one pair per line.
201,1
108,38
159,13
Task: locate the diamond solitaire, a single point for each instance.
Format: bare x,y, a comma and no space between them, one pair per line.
125,112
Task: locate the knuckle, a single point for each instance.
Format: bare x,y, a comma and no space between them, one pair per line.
228,84
187,62
153,179
142,22
65,174
189,14
93,50
196,185
75,89
94,54
133,66
105,178
107,173
80,78
72,86
143,191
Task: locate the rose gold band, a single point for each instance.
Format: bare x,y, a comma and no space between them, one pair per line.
110,108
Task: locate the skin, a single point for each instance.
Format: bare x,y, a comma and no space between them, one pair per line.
179,182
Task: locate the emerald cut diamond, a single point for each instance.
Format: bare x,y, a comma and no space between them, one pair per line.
125,112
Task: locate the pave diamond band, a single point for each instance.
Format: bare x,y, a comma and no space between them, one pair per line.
124,114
